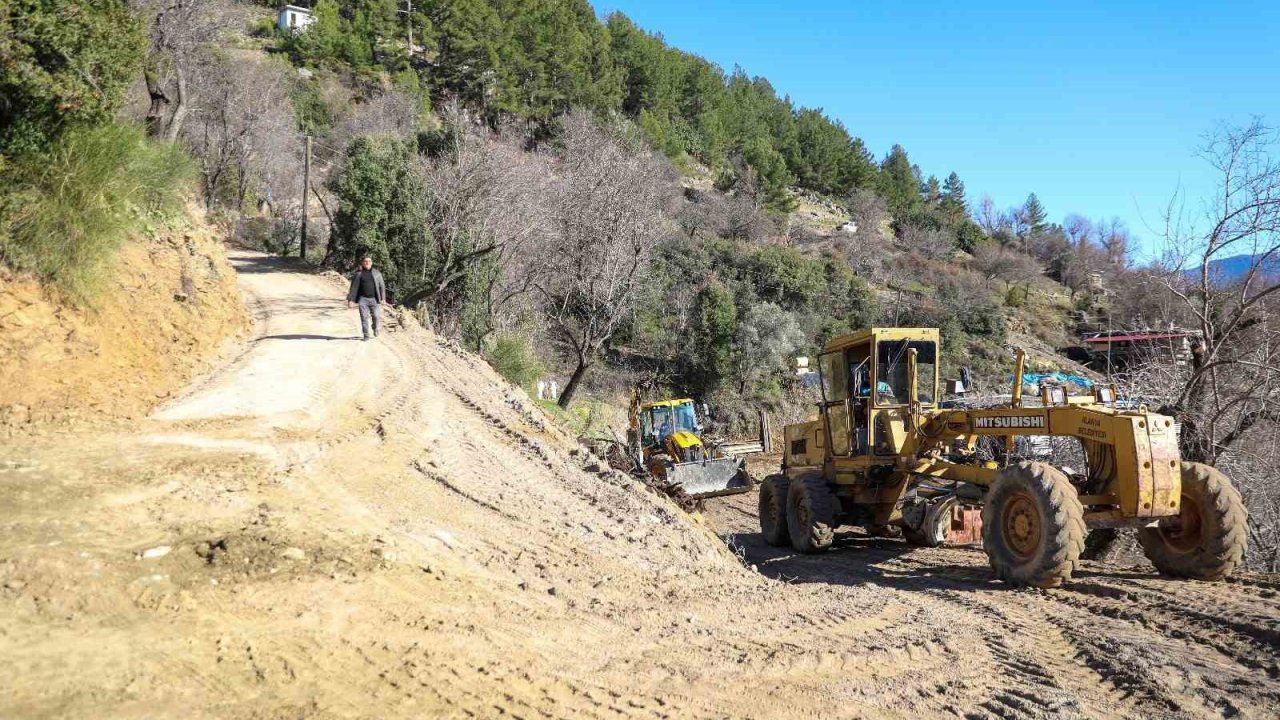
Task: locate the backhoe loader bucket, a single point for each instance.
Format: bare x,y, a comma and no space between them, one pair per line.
709,478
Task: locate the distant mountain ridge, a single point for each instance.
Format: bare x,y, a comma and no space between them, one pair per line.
1230,269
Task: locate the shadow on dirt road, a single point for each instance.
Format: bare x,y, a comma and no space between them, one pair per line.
858,559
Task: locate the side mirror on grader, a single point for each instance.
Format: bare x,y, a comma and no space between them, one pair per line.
884,452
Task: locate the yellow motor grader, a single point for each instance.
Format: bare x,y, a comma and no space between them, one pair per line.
666,443
882,432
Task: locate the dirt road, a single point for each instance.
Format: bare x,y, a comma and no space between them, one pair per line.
1115,642
332,528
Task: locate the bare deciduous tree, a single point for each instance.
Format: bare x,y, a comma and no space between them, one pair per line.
701,214
929,242
1113,238
1229,389
607,217
745,218
989,218
242,130
1075,266
390,112
1000,263
1228,397
1077,228
484,199
179,30
866,248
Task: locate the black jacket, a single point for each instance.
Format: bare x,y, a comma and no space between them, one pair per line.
381,286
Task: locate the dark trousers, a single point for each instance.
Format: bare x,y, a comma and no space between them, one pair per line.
370,307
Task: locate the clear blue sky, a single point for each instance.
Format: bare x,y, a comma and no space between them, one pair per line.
1097,106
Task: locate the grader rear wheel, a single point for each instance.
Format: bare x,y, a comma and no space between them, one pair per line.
1206,541
811,514
773,510
1033,526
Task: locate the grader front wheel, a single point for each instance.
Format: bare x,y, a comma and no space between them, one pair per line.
1033,526
1207,539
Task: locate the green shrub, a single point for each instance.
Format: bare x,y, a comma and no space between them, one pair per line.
969,236
65,65
513,358
264,28
68,208
1015,297
314,115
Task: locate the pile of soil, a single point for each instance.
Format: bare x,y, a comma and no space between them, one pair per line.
170,306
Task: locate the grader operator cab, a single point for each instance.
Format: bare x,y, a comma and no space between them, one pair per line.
667,443
881,435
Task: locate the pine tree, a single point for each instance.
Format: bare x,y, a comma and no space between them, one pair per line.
321,41
953,203
468,33
556,55
953,191
932,190
1034,215
858,168
899,182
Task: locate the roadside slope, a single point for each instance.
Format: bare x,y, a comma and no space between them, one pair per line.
333,528
356,529
163,314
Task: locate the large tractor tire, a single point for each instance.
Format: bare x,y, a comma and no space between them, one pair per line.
1206,541
773,510
1033,526
811,514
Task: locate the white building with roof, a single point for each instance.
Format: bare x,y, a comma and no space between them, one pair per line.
291,18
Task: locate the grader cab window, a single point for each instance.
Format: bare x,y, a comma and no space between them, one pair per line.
893,386
834,383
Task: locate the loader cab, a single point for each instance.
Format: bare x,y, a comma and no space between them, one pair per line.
660,420
866,387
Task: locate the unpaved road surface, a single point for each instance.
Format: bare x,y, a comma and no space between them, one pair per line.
332,528
1116,641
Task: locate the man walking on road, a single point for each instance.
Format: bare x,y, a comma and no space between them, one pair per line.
369,292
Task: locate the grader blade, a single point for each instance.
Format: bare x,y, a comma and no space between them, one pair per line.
709,478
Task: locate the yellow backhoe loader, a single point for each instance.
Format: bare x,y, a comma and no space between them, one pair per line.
666,443
881,433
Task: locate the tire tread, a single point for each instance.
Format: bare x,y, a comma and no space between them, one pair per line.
819,535
1064,538
1222,549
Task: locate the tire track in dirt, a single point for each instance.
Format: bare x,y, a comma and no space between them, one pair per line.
1103,646
1052,645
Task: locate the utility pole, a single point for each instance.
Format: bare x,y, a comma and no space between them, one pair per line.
408,16
306,190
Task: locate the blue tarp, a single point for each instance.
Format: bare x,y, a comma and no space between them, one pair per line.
1035,378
